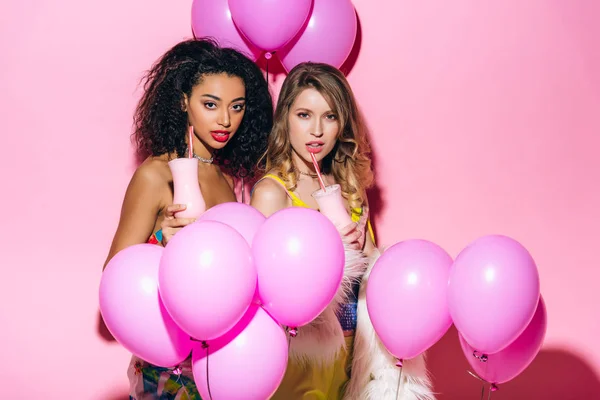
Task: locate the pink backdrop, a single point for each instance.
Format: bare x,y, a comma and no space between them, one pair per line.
485,119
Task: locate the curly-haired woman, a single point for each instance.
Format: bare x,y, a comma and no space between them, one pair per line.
223,95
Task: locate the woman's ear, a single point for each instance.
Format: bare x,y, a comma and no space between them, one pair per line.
184,103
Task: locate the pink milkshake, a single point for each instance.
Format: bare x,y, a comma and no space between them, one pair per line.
331,204
330,200
186,187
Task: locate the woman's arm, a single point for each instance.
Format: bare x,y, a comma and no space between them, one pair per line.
139,211
269,197
369,247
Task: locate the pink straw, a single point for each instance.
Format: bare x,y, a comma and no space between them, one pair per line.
316,164
190,135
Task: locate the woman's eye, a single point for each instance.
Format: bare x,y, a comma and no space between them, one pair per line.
238,107
303,115
332,117
210,105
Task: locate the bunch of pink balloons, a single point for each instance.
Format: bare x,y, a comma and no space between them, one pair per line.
199,294
495,303
298,30
491,292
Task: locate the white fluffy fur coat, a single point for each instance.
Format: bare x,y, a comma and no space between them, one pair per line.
374,374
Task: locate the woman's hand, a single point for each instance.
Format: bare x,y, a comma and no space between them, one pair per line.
353,235
171,224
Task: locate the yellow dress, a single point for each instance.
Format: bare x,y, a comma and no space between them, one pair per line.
317,382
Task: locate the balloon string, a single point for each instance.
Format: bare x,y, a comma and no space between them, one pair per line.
292,332
475,376
178,372
399,365
243,191
493,388
205,346
268,56
482,383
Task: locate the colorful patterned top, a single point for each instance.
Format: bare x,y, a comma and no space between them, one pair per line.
149,382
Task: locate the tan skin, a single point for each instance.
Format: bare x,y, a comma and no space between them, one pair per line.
217,103
310,120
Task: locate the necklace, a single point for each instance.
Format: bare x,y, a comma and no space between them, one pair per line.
204,160
308,174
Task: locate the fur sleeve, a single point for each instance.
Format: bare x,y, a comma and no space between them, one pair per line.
374,374
322,340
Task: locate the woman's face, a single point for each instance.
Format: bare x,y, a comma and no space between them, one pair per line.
215,109
313,126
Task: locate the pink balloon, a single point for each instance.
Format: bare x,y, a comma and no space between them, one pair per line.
328,37
241,217
207,279
407,297
270,24
493,291
505,365
132,309
299,258
248,362
212,18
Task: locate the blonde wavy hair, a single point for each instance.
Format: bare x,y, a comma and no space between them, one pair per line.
349,161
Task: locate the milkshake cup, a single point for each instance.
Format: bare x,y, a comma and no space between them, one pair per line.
186,189
331,204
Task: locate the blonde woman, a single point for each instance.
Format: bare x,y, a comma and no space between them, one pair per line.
338,355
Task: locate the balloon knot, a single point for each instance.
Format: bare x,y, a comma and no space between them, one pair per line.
268,55
204,344
399,363
293,332
177,371
482,357
493,388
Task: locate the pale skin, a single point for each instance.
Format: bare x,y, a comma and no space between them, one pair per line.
312,123
217,103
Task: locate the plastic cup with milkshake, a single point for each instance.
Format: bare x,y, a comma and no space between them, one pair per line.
186,189
330,200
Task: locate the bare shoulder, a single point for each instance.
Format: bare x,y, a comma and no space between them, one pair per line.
269,196
150,183
269,189
153,171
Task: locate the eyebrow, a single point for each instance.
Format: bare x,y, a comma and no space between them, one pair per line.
219,99
311,111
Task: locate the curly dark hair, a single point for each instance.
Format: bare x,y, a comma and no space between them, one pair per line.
160,125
